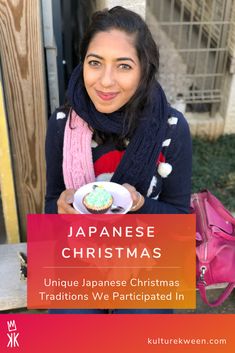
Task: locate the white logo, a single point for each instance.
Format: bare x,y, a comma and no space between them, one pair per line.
11,326
13,340
13,335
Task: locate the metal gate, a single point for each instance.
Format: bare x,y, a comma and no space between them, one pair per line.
197,31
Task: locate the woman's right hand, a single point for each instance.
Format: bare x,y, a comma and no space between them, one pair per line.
65,201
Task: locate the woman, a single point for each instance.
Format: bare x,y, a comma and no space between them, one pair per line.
118,125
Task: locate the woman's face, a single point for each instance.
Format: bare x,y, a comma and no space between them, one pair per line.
111,70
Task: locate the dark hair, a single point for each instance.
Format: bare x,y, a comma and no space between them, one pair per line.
147,51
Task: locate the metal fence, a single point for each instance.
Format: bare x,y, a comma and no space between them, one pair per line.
199,31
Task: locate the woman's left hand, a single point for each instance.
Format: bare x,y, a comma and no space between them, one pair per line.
137,198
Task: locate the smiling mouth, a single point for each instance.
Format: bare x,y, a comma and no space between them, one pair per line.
106,96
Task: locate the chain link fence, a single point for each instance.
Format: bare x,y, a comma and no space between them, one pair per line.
194,42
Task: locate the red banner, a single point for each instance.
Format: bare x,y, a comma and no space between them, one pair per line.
111,261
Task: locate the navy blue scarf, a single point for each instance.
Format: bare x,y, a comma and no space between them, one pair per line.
138,164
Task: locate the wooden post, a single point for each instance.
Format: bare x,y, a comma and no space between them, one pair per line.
24,86
6,177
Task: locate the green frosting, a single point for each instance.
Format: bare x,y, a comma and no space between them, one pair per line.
98,198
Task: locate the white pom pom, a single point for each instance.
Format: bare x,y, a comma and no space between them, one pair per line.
166,143
172,120
152,185
104,177
164,169
60,115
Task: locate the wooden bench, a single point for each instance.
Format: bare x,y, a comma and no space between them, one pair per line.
12,287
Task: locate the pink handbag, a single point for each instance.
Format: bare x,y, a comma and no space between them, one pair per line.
215,240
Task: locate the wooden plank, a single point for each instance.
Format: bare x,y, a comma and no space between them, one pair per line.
12,288
24,86
6,178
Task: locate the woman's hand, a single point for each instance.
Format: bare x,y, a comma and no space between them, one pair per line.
64,202
137,198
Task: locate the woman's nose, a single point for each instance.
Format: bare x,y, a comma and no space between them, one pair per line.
107,77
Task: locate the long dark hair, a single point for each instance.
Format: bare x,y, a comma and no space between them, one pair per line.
147,51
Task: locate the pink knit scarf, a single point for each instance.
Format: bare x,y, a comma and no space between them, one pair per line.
78,168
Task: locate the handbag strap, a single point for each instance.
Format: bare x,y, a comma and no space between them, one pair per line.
223,296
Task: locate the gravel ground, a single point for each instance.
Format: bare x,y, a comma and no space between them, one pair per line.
228,307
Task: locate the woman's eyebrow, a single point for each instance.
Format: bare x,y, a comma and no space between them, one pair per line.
95,55
118,59
125,59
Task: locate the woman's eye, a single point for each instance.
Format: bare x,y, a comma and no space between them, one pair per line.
125,67
94,63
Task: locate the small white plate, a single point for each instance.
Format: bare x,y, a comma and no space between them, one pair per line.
121,196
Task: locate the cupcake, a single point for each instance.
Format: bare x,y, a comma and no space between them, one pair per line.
98,200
